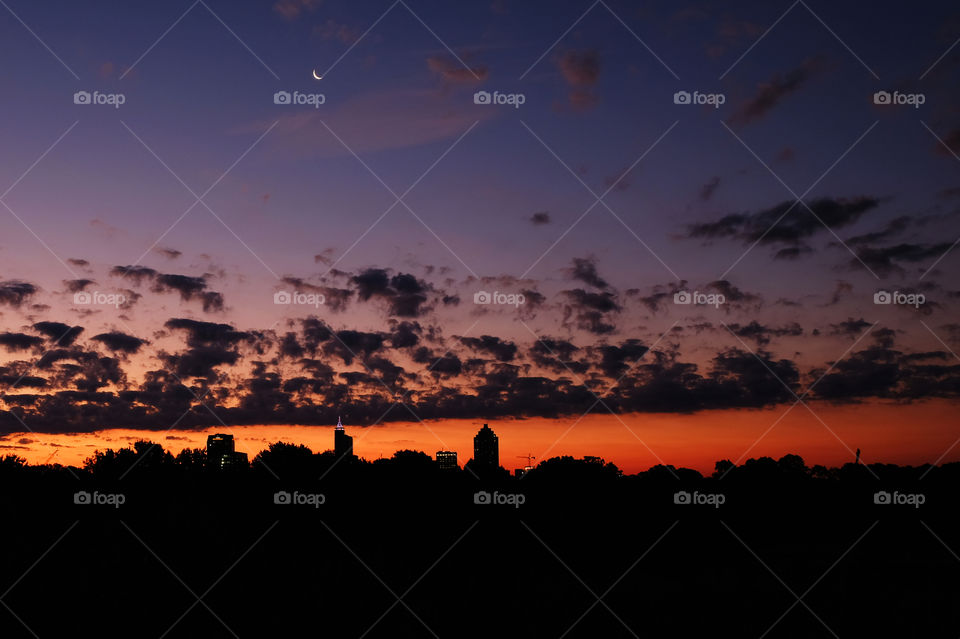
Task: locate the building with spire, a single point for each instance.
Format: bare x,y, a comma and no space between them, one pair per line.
342,443
486,449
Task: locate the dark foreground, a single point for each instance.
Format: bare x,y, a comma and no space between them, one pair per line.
403,550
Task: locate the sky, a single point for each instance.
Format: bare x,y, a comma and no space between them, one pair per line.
657,232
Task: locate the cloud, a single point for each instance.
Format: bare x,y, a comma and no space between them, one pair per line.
370,122
405,294
332,30
771,93
787,222
540,218
708,189
592,311
75,286
19,341
585,270
169,253
580,69
502,350
293,9
451,71
887,260
15,292
59,333
762,334
121,342
189,287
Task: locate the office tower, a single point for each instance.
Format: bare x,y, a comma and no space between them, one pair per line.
342,443
447,459
222,454
486,449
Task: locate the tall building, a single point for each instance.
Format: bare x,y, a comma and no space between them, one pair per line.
342,443
486,448
447,459
222,453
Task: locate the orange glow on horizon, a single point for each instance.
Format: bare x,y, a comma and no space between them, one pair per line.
892,433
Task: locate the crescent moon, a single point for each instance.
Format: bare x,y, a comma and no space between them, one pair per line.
315,76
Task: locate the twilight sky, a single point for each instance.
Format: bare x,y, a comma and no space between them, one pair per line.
149,238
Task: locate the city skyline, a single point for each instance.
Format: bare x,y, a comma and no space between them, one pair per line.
690,232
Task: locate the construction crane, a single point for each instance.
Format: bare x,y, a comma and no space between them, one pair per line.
529,459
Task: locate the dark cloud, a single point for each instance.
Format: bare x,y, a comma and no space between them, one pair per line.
850,327
762,334
502,350
615,360
787,222
771,93
19,341
135,273
75,286
15,292
886,260
793,252
585,270
708,189
540,218
591,311
121,342
59,333
201,333
169,253
404,293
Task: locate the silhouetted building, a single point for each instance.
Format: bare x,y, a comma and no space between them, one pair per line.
447,459
486,449
342,443
222,454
